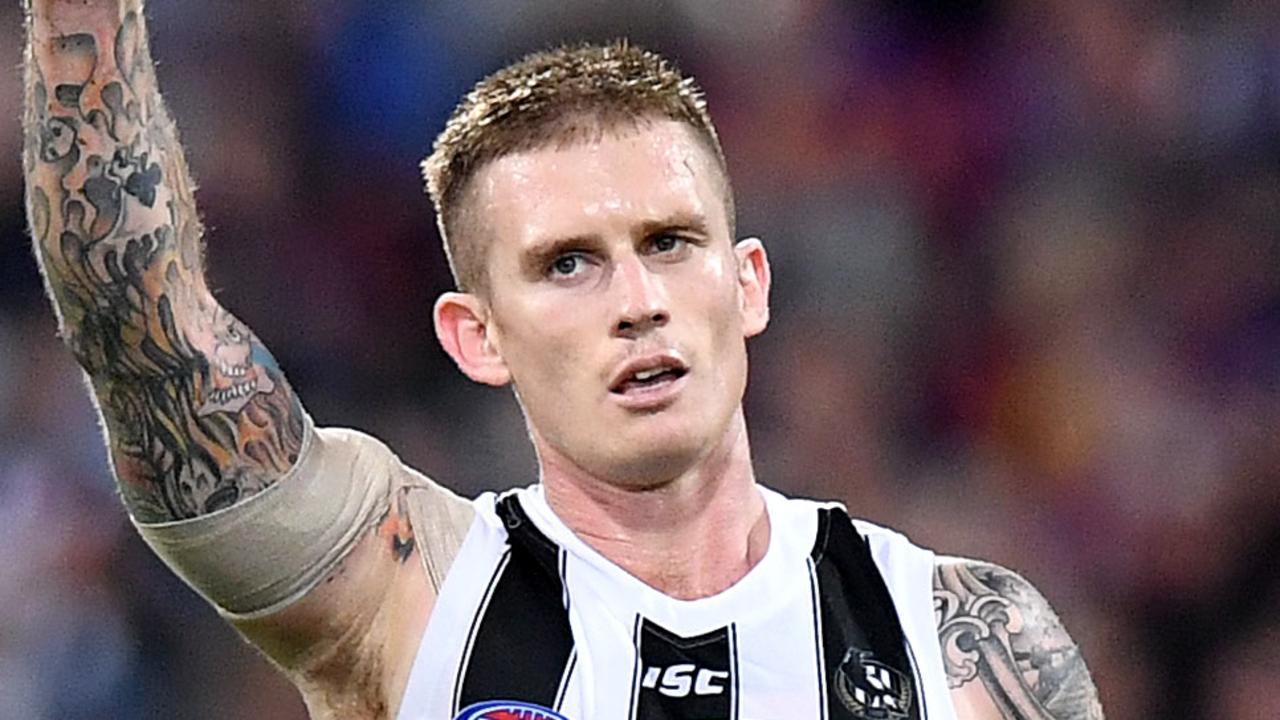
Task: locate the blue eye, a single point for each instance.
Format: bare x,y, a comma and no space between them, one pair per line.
666,243
565,265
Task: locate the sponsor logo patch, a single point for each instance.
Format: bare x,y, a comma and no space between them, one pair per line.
508,710
679,681
683,677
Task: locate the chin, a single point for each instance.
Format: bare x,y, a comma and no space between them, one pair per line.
650,470
637,451
651,459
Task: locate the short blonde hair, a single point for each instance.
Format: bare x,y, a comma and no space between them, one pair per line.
554,97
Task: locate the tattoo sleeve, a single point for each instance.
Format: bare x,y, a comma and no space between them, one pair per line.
197,413
997,629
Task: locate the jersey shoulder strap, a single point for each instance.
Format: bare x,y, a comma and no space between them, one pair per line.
520,644
866,653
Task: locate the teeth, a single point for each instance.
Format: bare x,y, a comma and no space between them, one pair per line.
233,370
646,374
234,392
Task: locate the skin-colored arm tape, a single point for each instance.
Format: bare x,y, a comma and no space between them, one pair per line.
440,521
259,556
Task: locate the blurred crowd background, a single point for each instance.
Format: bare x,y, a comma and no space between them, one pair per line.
1027,272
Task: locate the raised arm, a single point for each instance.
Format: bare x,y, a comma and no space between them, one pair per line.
197,413
1006,653
309,556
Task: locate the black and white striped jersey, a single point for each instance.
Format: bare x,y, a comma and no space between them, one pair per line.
835,622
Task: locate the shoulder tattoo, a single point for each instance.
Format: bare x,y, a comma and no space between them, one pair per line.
996,628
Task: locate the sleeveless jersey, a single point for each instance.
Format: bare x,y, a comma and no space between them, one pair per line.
835,622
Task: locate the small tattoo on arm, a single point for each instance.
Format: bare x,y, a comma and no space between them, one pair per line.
397,529
996,628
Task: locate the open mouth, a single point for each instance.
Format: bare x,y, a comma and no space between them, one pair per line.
649,378
231,383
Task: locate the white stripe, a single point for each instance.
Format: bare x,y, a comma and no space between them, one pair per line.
476,621
564,679
919,689
817,635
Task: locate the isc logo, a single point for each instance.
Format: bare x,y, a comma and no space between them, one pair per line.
679,681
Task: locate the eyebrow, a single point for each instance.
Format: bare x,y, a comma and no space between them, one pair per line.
682,220
536,258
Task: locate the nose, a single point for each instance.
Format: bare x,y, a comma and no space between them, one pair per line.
642,299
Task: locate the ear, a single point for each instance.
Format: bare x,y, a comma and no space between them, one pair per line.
463,330
753,282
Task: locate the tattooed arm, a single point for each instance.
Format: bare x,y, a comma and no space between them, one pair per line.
198,415
197,412
1006,653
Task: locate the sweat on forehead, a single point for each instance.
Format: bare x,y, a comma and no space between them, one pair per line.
554,98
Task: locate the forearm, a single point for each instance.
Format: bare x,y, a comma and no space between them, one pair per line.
197,413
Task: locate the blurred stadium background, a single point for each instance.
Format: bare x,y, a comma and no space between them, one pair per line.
1027,266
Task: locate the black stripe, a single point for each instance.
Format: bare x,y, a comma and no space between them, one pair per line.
734,670
685,678
523,644
636,669
859,621
823,537
564,577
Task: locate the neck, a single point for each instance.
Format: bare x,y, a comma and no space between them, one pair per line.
690,537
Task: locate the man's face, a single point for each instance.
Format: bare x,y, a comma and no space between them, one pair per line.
617,300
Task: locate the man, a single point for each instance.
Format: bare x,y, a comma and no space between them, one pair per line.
588,219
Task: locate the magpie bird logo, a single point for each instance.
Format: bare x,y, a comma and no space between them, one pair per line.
870,689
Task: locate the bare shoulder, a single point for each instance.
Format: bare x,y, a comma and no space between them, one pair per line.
1007,654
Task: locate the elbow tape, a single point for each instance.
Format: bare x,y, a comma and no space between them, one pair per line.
262,554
